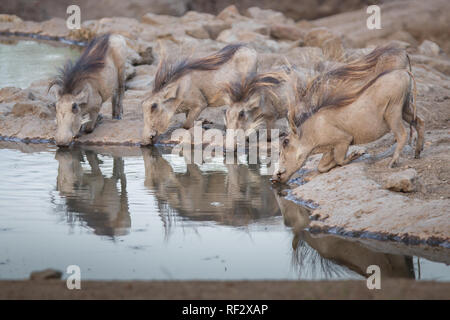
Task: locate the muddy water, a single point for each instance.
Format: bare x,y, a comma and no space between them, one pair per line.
130,213
23,61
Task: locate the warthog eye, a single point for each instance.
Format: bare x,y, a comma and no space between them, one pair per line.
74,107
285,142
241,114
154,106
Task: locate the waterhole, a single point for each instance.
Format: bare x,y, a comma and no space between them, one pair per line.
143,213
23,61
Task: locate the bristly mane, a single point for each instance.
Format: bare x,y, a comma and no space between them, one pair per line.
341,86
169,72
72,75
241,91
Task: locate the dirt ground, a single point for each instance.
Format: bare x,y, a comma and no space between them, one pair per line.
224,290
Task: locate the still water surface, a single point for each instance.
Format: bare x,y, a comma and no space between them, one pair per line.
130,213
23,61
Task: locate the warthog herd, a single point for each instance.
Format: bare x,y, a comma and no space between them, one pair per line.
327,111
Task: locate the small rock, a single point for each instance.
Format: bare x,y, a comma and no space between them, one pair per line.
267,15
9,18
229,13
198,32
330,43
46,274
286,32
214,28
403,181
305,24
429,48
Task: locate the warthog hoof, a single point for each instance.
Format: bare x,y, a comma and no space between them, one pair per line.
309,176
89,129
392,163
356,154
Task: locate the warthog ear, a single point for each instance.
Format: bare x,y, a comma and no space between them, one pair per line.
225,98
291,116
82,97
254,101
172,91
56,92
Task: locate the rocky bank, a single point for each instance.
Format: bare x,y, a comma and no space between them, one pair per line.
364,198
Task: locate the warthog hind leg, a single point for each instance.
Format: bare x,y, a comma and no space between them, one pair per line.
420,128
418,125
395,122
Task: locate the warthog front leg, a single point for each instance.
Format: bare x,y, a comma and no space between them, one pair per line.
117,106
270,124
117,109
340,151
191,117
327,162
95,119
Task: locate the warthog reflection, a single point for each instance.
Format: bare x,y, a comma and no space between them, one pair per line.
330,253
239,197
91,196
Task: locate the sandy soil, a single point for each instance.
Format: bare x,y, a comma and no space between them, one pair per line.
258,290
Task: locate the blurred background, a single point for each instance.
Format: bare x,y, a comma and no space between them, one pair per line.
39,10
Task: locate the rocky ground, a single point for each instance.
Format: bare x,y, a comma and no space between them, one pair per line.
410,202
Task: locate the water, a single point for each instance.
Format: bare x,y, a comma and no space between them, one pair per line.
24,61
130,213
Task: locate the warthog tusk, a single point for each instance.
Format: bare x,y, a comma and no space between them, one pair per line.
85,119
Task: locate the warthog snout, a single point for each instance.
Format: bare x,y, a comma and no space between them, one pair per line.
149,138
64,139
64,143
278,176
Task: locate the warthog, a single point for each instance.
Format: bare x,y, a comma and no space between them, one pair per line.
338,116
183,87
262,98
84,85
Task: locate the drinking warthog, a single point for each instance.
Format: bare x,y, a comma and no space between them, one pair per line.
183,87
262,98
350,116
84,85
